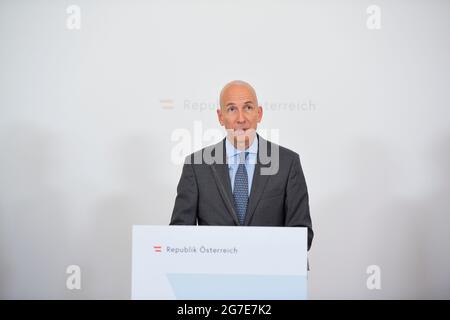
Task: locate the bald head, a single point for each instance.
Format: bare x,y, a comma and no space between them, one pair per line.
235,89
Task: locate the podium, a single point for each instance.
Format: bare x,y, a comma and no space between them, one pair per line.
219,263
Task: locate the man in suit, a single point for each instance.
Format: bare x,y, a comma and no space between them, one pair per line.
244,180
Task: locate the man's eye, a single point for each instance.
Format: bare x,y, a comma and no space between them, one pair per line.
248,107
231,109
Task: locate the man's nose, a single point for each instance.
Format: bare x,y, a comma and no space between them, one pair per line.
241,117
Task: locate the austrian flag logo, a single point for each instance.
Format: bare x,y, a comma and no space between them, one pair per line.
157,248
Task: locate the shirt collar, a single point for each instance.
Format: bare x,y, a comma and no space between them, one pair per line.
232,151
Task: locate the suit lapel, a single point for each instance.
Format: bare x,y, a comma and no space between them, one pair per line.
258,184
222,178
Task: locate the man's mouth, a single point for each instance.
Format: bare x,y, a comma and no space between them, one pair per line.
240,132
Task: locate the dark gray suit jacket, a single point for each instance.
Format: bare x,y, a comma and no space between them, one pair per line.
204,193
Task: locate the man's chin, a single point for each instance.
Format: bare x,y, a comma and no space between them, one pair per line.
242,140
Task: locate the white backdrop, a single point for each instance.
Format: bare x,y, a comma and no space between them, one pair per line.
87,117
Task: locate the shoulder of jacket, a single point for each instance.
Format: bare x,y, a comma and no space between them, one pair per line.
283,151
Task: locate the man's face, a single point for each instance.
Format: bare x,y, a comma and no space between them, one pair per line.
240,114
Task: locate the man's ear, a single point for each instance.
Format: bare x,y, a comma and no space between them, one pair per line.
219,116
260,113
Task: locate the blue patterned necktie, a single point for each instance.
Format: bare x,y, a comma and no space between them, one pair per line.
240,190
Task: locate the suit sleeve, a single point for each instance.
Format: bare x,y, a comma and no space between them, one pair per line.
186,202
297,200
